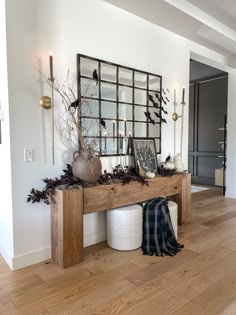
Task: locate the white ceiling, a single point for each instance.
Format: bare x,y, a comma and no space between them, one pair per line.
211,23
222,10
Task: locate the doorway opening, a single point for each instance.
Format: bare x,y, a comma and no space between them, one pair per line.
208,91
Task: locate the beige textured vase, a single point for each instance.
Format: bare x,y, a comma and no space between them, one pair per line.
88,170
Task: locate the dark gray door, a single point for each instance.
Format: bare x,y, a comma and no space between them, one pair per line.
207,110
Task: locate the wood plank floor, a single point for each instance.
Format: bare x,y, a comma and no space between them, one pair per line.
200,280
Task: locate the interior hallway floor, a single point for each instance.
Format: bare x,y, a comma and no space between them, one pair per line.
200,280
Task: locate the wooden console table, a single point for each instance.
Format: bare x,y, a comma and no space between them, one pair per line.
71,205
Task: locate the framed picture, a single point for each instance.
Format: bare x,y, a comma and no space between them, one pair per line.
145,157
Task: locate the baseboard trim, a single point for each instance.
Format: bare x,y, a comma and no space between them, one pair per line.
229,194
37,256
31,258
6,256
94,238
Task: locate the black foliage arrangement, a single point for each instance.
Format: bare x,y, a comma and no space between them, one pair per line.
122,175
164,172
67,181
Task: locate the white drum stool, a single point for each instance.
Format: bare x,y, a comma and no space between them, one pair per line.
124,227
173,207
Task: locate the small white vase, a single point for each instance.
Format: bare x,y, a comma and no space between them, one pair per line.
178,163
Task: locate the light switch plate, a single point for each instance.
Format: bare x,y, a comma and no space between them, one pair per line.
28,155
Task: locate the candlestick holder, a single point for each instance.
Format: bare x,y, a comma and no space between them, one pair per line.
175,117
125,153
47,103
51,79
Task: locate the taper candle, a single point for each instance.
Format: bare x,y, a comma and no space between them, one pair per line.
129,143
105,135
183,94
51,64
119,139
174,96
122,139
113,129
125,127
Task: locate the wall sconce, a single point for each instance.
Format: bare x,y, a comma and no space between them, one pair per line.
48,102
176,116
45,102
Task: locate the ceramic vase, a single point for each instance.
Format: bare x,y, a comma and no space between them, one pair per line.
88,170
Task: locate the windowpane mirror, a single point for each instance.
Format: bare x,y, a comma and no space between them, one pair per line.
87,67
154,83
108,72
111,128
158,145
140,97
154,98
125,94
116,102
125,76
90,127
109,146
108,91
126,111
90,108
140,129
139,113
89,88
155,114
127,130
108,110
140,80
154,131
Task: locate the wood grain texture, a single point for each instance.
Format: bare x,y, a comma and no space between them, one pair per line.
67,227
70,205
198,281
186,199
105,197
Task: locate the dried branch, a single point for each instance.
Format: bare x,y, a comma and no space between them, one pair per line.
73,135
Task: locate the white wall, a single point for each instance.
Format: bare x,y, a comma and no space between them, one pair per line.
6,221
231,147
94,28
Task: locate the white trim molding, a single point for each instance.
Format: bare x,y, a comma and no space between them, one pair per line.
95,238
229,194
6,255
31,258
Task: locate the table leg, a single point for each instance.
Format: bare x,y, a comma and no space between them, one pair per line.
67,227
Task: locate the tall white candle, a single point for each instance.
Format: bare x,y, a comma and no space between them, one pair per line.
125,127
183,94
105,135
113,129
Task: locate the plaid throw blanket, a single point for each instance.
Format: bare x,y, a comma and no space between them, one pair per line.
158,233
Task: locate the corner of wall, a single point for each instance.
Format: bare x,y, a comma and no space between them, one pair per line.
6,255
229,194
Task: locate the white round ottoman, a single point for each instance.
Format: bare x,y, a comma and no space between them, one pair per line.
173,207
124,227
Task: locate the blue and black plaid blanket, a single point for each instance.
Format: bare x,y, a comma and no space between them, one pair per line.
158,233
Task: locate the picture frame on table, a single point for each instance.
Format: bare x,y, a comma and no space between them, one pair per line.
145,156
